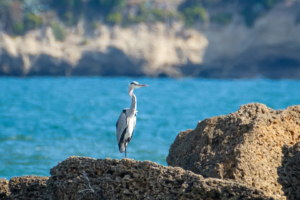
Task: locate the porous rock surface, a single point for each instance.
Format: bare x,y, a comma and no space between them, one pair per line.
86,178
289,172
4,190
245,145
27,188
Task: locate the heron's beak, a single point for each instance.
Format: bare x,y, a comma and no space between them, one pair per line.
143,85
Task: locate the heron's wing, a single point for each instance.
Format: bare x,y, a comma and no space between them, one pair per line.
121,125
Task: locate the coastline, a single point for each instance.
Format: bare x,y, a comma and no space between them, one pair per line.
158,50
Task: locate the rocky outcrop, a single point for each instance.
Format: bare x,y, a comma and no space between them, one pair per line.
4,189
289,172
28,187
151,50
268,49
23,188
86,178
245,146
253,153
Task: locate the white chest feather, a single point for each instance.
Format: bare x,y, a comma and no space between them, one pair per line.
131,126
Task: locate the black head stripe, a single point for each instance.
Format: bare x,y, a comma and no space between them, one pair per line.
133,83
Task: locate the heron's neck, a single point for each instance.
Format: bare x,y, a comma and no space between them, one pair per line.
133,102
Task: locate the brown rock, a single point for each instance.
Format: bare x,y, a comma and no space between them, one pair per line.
86,178
28,187
245,146
4,190
289,172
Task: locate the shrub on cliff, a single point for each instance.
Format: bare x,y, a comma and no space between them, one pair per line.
114,18
32,21
17,16
58,31
192,15
159,14
69,19
146,13
251,10
106,7
62,5
222,18
193,11
18,28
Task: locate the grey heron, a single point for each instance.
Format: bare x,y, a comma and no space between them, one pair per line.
127,120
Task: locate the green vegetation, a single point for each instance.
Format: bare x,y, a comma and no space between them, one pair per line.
18,28
69,19
222,18
253,9
18,16
142,15
84,41
58,31
15,20
32,21
147,14
114,18
194,14
107,6
160,15
196,10
63,5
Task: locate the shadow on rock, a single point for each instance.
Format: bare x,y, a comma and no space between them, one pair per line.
289,172
112,63
10,65
46,65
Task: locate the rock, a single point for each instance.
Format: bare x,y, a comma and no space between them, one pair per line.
4,189
86,178
116,51
28,187
10,65
289,172
245,146
268,48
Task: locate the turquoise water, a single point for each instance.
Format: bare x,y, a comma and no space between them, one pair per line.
45,120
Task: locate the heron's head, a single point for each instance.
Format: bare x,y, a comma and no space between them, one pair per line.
135,85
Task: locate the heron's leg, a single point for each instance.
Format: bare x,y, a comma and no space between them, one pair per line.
125,152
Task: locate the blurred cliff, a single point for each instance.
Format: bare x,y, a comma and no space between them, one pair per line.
208,38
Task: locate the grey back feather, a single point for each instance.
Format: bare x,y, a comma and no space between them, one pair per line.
121,124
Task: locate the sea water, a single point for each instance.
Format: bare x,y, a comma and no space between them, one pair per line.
45,120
